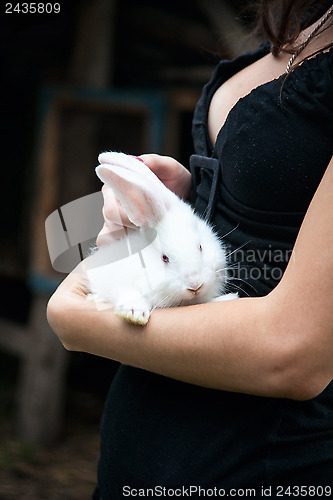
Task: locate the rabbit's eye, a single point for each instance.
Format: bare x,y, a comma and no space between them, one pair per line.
200,248
165,259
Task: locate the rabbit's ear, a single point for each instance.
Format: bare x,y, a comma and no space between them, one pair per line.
128,162
141,201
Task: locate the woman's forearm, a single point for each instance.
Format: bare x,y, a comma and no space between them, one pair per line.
226,345
279,345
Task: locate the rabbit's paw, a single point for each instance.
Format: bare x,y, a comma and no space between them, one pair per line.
138,317
134,311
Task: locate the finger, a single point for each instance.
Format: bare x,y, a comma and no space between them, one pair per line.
157,163
76,281
111,207
110,233
172,173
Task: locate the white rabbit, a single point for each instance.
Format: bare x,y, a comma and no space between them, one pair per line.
173,258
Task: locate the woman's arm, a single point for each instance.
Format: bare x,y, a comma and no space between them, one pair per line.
280,345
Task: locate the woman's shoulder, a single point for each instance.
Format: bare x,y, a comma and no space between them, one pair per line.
314,75
228,67
321,62
224,69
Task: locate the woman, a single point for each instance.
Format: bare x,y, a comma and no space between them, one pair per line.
236,395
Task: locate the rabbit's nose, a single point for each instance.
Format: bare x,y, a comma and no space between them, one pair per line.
194,287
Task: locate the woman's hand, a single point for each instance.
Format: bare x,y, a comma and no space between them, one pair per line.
172,173
70,296
175,177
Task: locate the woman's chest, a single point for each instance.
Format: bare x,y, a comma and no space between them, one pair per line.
274,148
240,85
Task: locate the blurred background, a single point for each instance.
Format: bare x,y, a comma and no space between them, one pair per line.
98,75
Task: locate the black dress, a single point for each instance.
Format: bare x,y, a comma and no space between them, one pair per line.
258,181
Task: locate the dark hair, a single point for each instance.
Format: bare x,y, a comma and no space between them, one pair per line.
281,21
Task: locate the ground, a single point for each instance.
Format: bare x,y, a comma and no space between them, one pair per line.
65,471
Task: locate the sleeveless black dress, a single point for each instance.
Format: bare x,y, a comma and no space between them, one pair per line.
256,185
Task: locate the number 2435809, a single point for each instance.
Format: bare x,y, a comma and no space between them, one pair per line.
32,8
